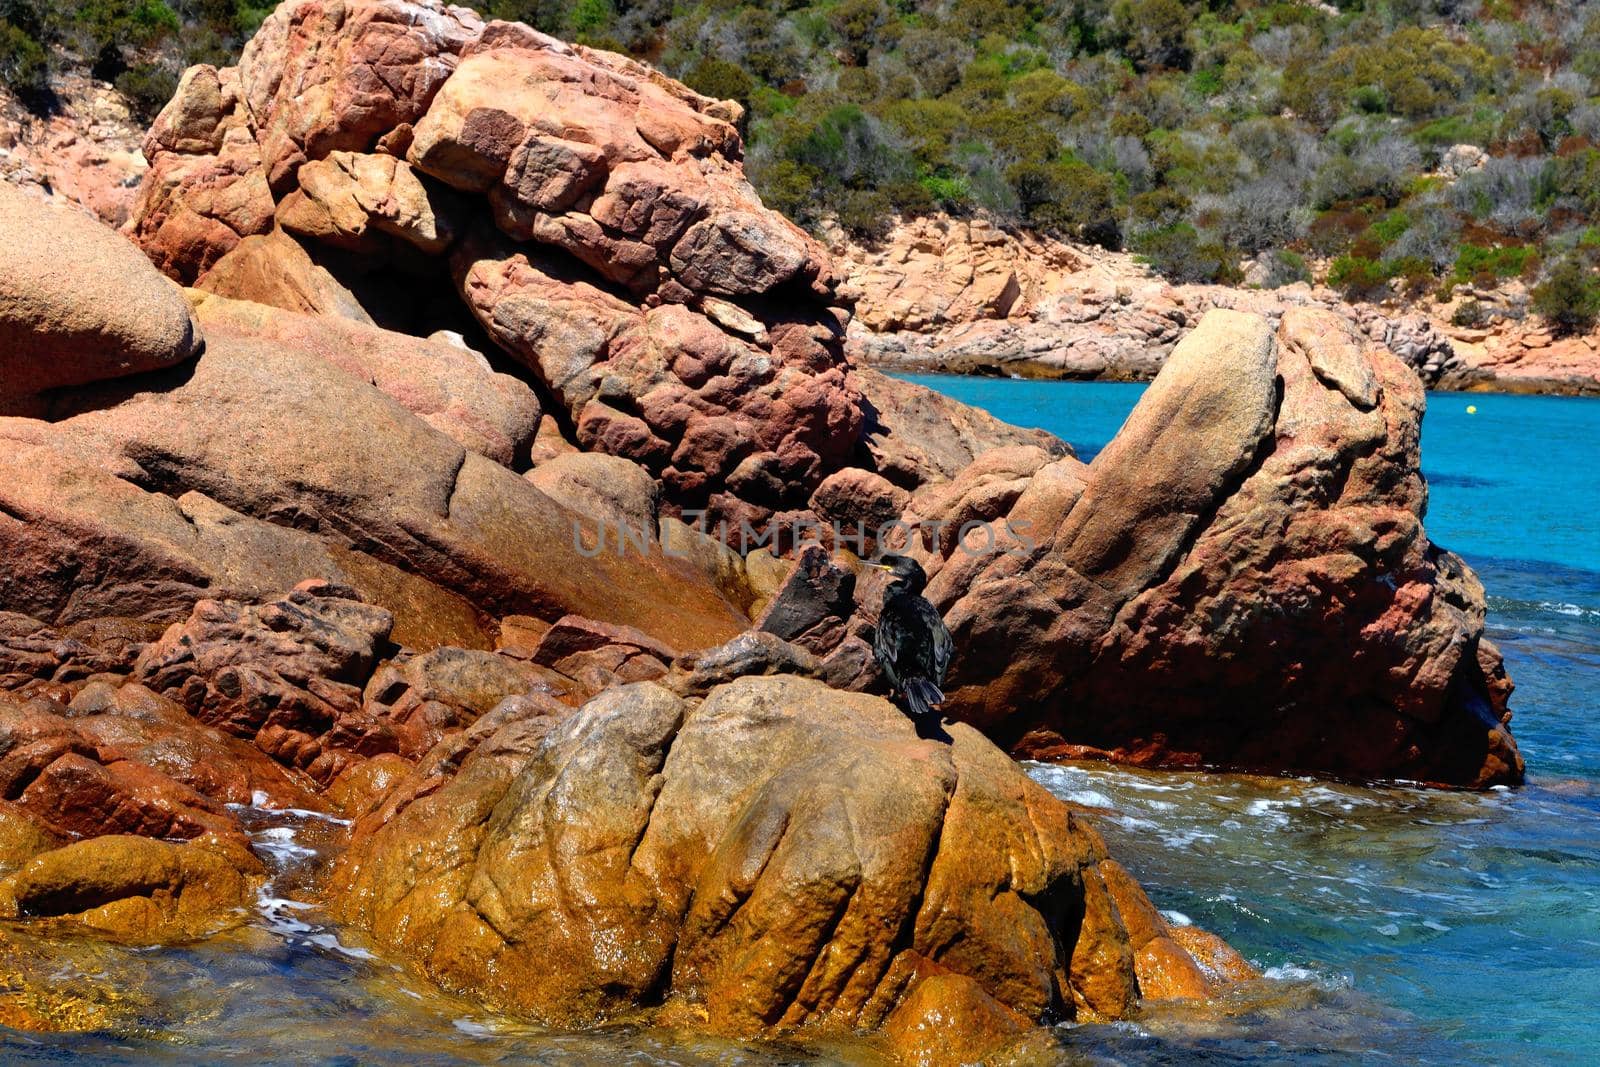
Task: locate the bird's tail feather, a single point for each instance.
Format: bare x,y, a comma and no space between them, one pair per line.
922,696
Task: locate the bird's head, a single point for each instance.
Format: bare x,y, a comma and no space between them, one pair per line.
908,575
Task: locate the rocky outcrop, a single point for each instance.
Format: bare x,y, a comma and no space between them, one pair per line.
917,436
447,385
960,296
102,758
593,215
1248,546
776,856
290,449
748,855
1511,352
690,342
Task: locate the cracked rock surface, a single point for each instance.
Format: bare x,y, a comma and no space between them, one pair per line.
1241,577
778,855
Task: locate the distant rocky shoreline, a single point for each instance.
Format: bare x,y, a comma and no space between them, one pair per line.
952,296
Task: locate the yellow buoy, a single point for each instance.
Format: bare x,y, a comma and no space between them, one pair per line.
1472,409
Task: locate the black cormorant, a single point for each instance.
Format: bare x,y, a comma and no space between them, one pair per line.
912,644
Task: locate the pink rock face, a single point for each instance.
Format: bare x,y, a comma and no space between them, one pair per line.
206,189
1250,542
84,152
449,387
595,216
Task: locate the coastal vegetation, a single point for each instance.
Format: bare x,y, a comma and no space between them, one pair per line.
1411,146
1408,146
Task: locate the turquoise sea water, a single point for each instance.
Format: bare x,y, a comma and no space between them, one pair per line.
1402,926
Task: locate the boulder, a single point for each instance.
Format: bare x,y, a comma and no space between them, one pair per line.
206,190
273,269
1247,552
281,675
33,650
917,436
777,856
22,837
79,304
598,655
60,776
413,703
618,494
448,386
948,1019
129,722
348,198
82,151
138,889
812,604
857,500
85,544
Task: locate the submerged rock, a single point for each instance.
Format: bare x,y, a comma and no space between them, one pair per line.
137,888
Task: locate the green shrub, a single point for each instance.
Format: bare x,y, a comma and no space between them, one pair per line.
1179,253
1068,197
1152,33
1478,265
720,79
1414,72
1359,278
1281,267
866,213
951,194
1470,314
860,26
1569,298
24,65
147,88
1387,230
1576,178
1439,134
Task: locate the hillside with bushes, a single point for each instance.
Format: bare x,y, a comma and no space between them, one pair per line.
1407,147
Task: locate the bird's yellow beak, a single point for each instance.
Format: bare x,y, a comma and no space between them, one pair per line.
881,566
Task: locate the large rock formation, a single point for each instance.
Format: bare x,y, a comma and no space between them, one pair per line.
767,856
595,219
590,219
776,856
572,798
1240,578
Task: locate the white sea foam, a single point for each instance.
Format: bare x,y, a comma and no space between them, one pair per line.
1294,972
279,843
1089,798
